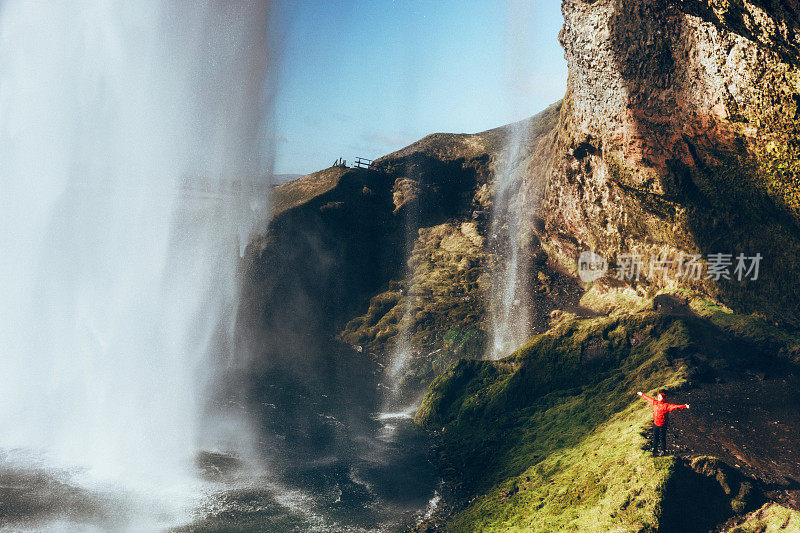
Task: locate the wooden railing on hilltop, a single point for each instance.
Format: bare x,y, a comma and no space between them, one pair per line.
362,162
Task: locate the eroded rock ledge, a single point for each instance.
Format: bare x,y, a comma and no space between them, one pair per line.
679,133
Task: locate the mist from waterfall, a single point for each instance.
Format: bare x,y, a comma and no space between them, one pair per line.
400,356
119,267
509,301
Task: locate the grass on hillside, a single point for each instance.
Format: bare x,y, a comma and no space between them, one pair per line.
603,483
771,518
550,438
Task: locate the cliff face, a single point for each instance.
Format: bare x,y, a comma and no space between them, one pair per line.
679,134
396,253
678,137
438,303
339,236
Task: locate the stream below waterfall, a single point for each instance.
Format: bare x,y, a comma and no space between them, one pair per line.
333,461
384,489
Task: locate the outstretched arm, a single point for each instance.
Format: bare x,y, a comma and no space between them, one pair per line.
672,406
646,397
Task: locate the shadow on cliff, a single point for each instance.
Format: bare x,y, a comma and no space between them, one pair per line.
717,177
314,269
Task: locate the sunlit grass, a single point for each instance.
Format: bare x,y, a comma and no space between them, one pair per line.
551,437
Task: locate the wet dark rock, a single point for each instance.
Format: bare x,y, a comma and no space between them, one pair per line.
217,466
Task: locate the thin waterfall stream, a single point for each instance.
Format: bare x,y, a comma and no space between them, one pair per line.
509,311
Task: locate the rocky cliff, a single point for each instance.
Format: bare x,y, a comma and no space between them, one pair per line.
677,140
679,136
372,257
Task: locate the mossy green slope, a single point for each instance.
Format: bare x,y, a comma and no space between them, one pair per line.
551,433
771,518
550,438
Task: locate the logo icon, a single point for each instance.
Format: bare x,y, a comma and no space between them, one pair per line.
591,266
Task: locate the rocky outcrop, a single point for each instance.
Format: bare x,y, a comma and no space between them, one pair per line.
340,236
332,242
774,24
439,305
397,252
678,134
678,137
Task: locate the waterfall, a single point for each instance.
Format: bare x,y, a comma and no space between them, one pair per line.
509,310
509,302
118,262
395,397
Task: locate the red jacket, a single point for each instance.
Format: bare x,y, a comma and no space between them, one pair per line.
660,409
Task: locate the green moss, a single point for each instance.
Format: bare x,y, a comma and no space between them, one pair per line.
755,328
300,191
379,323
771,518
550,438
602,483
743,498
622,300
556,418
440,307
568,263
780,165
460,343
749,204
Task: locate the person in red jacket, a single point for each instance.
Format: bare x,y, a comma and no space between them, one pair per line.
661,410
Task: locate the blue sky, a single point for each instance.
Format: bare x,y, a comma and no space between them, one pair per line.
365,78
